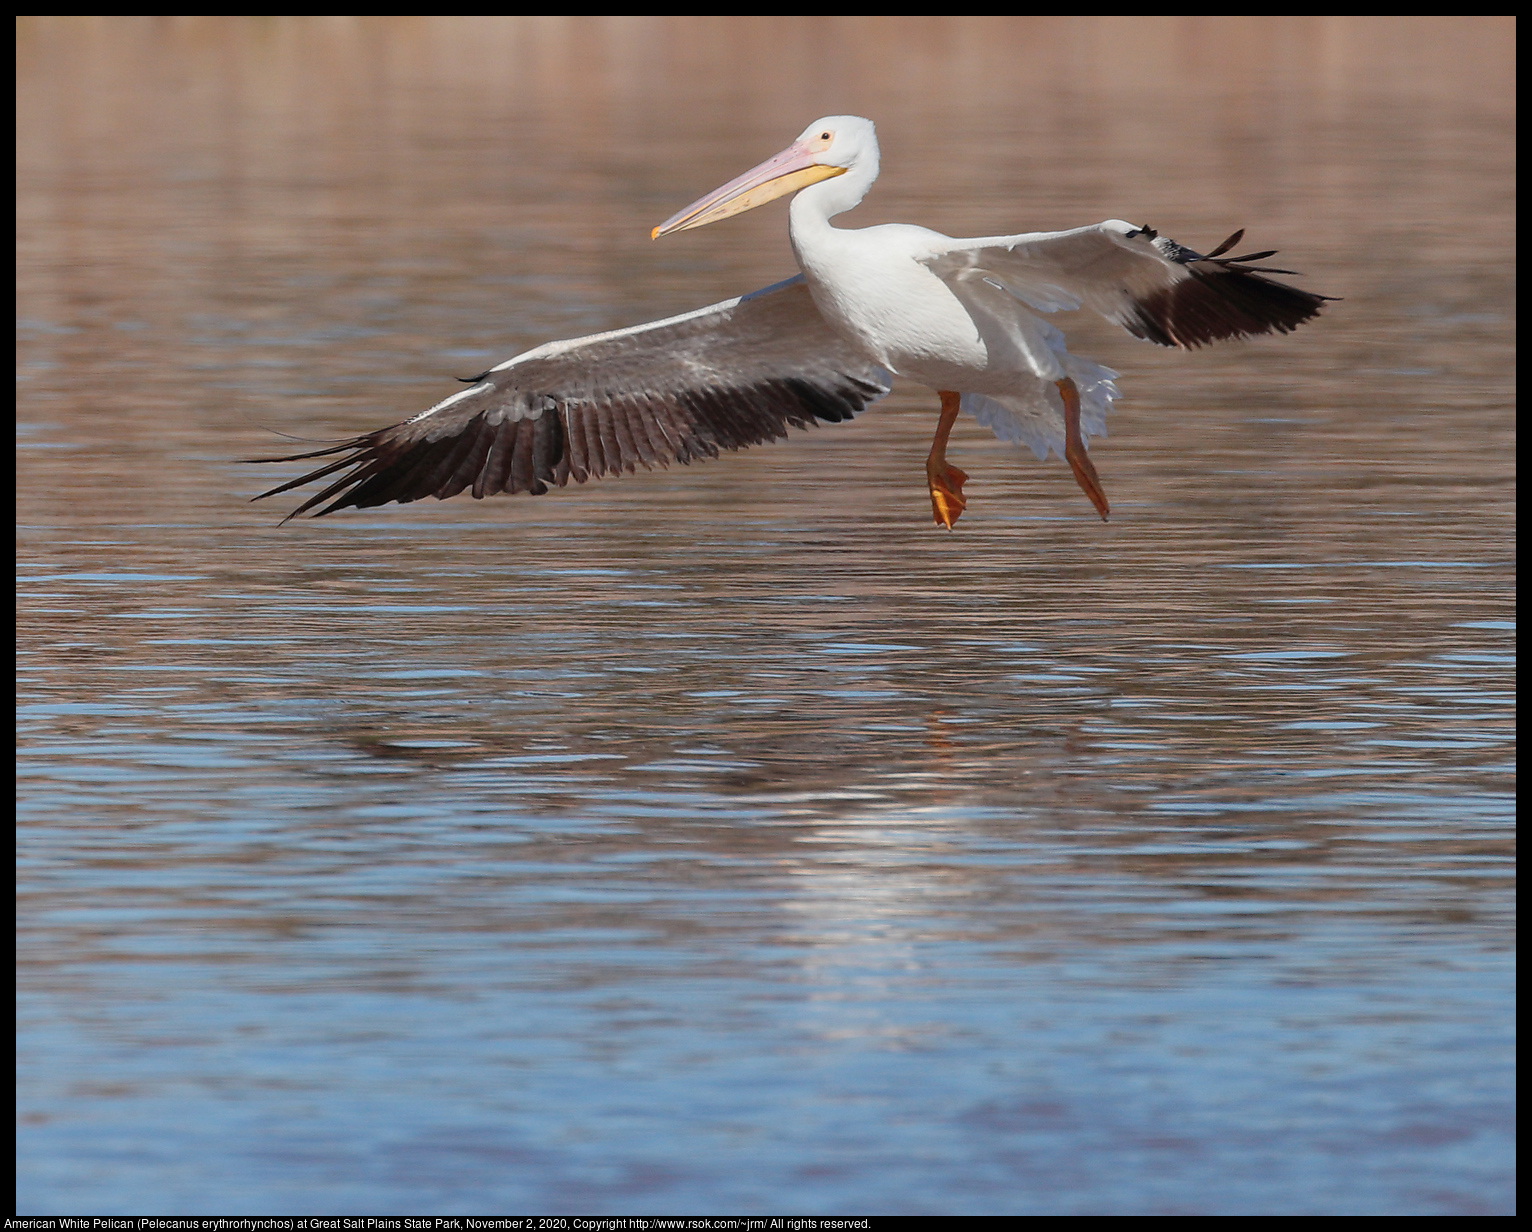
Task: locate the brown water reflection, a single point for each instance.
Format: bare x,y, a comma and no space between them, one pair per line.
774,849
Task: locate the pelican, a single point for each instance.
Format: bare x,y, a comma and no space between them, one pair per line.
966,317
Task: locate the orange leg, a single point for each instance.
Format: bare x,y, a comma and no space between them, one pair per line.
945,482
1074,448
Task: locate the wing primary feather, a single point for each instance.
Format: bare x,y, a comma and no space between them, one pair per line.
497,465
704,440
674,425
351,442
699,410
523,473
621,427
751,416
595,447
329,469
547,448
1228,244
447,478
633,417
610,446
750,419
342,488
685,431
469,460
579,449
387,477
646,420
408,474
1227,303
826,404
561,467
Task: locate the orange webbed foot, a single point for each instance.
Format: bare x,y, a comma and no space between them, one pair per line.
947,501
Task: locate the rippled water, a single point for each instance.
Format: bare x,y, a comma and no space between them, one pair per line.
728,837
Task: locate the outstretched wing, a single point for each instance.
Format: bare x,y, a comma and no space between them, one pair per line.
723,377
1151,286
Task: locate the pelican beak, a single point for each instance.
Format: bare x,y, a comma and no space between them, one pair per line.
792,169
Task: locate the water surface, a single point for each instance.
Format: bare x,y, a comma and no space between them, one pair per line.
728,837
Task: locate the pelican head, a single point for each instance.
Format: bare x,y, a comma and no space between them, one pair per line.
831,146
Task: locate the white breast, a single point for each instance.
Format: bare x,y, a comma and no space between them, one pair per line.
873,291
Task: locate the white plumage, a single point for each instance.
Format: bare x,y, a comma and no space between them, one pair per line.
963,316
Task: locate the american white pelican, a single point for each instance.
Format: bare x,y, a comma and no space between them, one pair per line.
963,316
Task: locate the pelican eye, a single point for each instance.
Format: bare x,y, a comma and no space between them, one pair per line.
824,136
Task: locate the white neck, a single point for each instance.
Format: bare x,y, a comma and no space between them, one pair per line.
812,208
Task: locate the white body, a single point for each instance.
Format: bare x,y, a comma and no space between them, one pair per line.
960,315
880,289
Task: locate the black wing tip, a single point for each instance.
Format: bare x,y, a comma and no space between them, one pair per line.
355,448
1229,243
488,455
1221,298
578,439
333,448
1212,307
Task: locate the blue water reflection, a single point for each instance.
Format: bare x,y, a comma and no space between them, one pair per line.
727,838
